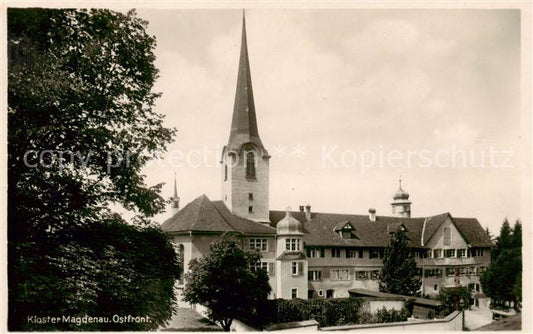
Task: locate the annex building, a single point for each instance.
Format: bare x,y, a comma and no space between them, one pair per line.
312,254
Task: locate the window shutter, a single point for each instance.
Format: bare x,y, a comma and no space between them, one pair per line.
271,269
308,251
322,252
327,273
300,268
320,275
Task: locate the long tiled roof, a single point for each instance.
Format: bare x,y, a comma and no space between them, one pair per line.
203,215
320,230
473,232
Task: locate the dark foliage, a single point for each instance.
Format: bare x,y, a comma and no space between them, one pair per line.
223,282
456,298
80,128
502,282
399,274
383,315
327,312
103,270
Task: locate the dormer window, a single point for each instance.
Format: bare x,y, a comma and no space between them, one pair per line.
250,165
345,230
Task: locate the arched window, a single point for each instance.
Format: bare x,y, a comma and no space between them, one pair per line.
250,165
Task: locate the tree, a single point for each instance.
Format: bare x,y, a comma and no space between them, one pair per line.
80,129
223,281
456,298
399,274
516,237
503,279
504,240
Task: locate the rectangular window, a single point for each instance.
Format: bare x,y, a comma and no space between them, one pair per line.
477,252
447,236
250,209
435,287
361,253
315,252
462,271
351,253
375,274
437,253
335,252
259,265
250,165
314,275
450,272
361,275
461,252
429,253
259,244
294,268
297,268
340,274
250,196
449,253
432,273
292,244
374,253
294,293
225,172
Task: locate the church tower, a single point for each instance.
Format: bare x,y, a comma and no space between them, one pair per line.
245,161
401,207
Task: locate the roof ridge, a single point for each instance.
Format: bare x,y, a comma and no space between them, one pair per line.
231,227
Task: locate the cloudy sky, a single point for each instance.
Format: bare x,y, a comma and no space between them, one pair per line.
348,101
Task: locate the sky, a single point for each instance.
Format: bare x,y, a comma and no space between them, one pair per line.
348,102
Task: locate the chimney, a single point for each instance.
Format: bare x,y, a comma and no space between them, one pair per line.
308,212
372,214
301,208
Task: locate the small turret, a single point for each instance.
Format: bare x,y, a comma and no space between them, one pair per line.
175,200
401,207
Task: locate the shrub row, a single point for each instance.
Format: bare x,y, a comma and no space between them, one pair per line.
327,312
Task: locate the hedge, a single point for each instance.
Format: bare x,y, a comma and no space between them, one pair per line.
327,312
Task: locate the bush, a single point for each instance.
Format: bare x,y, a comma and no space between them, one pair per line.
409,306
327,312
383,315
451,299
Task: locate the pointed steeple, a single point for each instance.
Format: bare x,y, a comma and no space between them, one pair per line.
244,121
175,200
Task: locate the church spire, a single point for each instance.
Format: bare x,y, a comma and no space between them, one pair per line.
244,122
175,199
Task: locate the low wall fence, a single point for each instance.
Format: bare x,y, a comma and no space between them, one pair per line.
453,322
